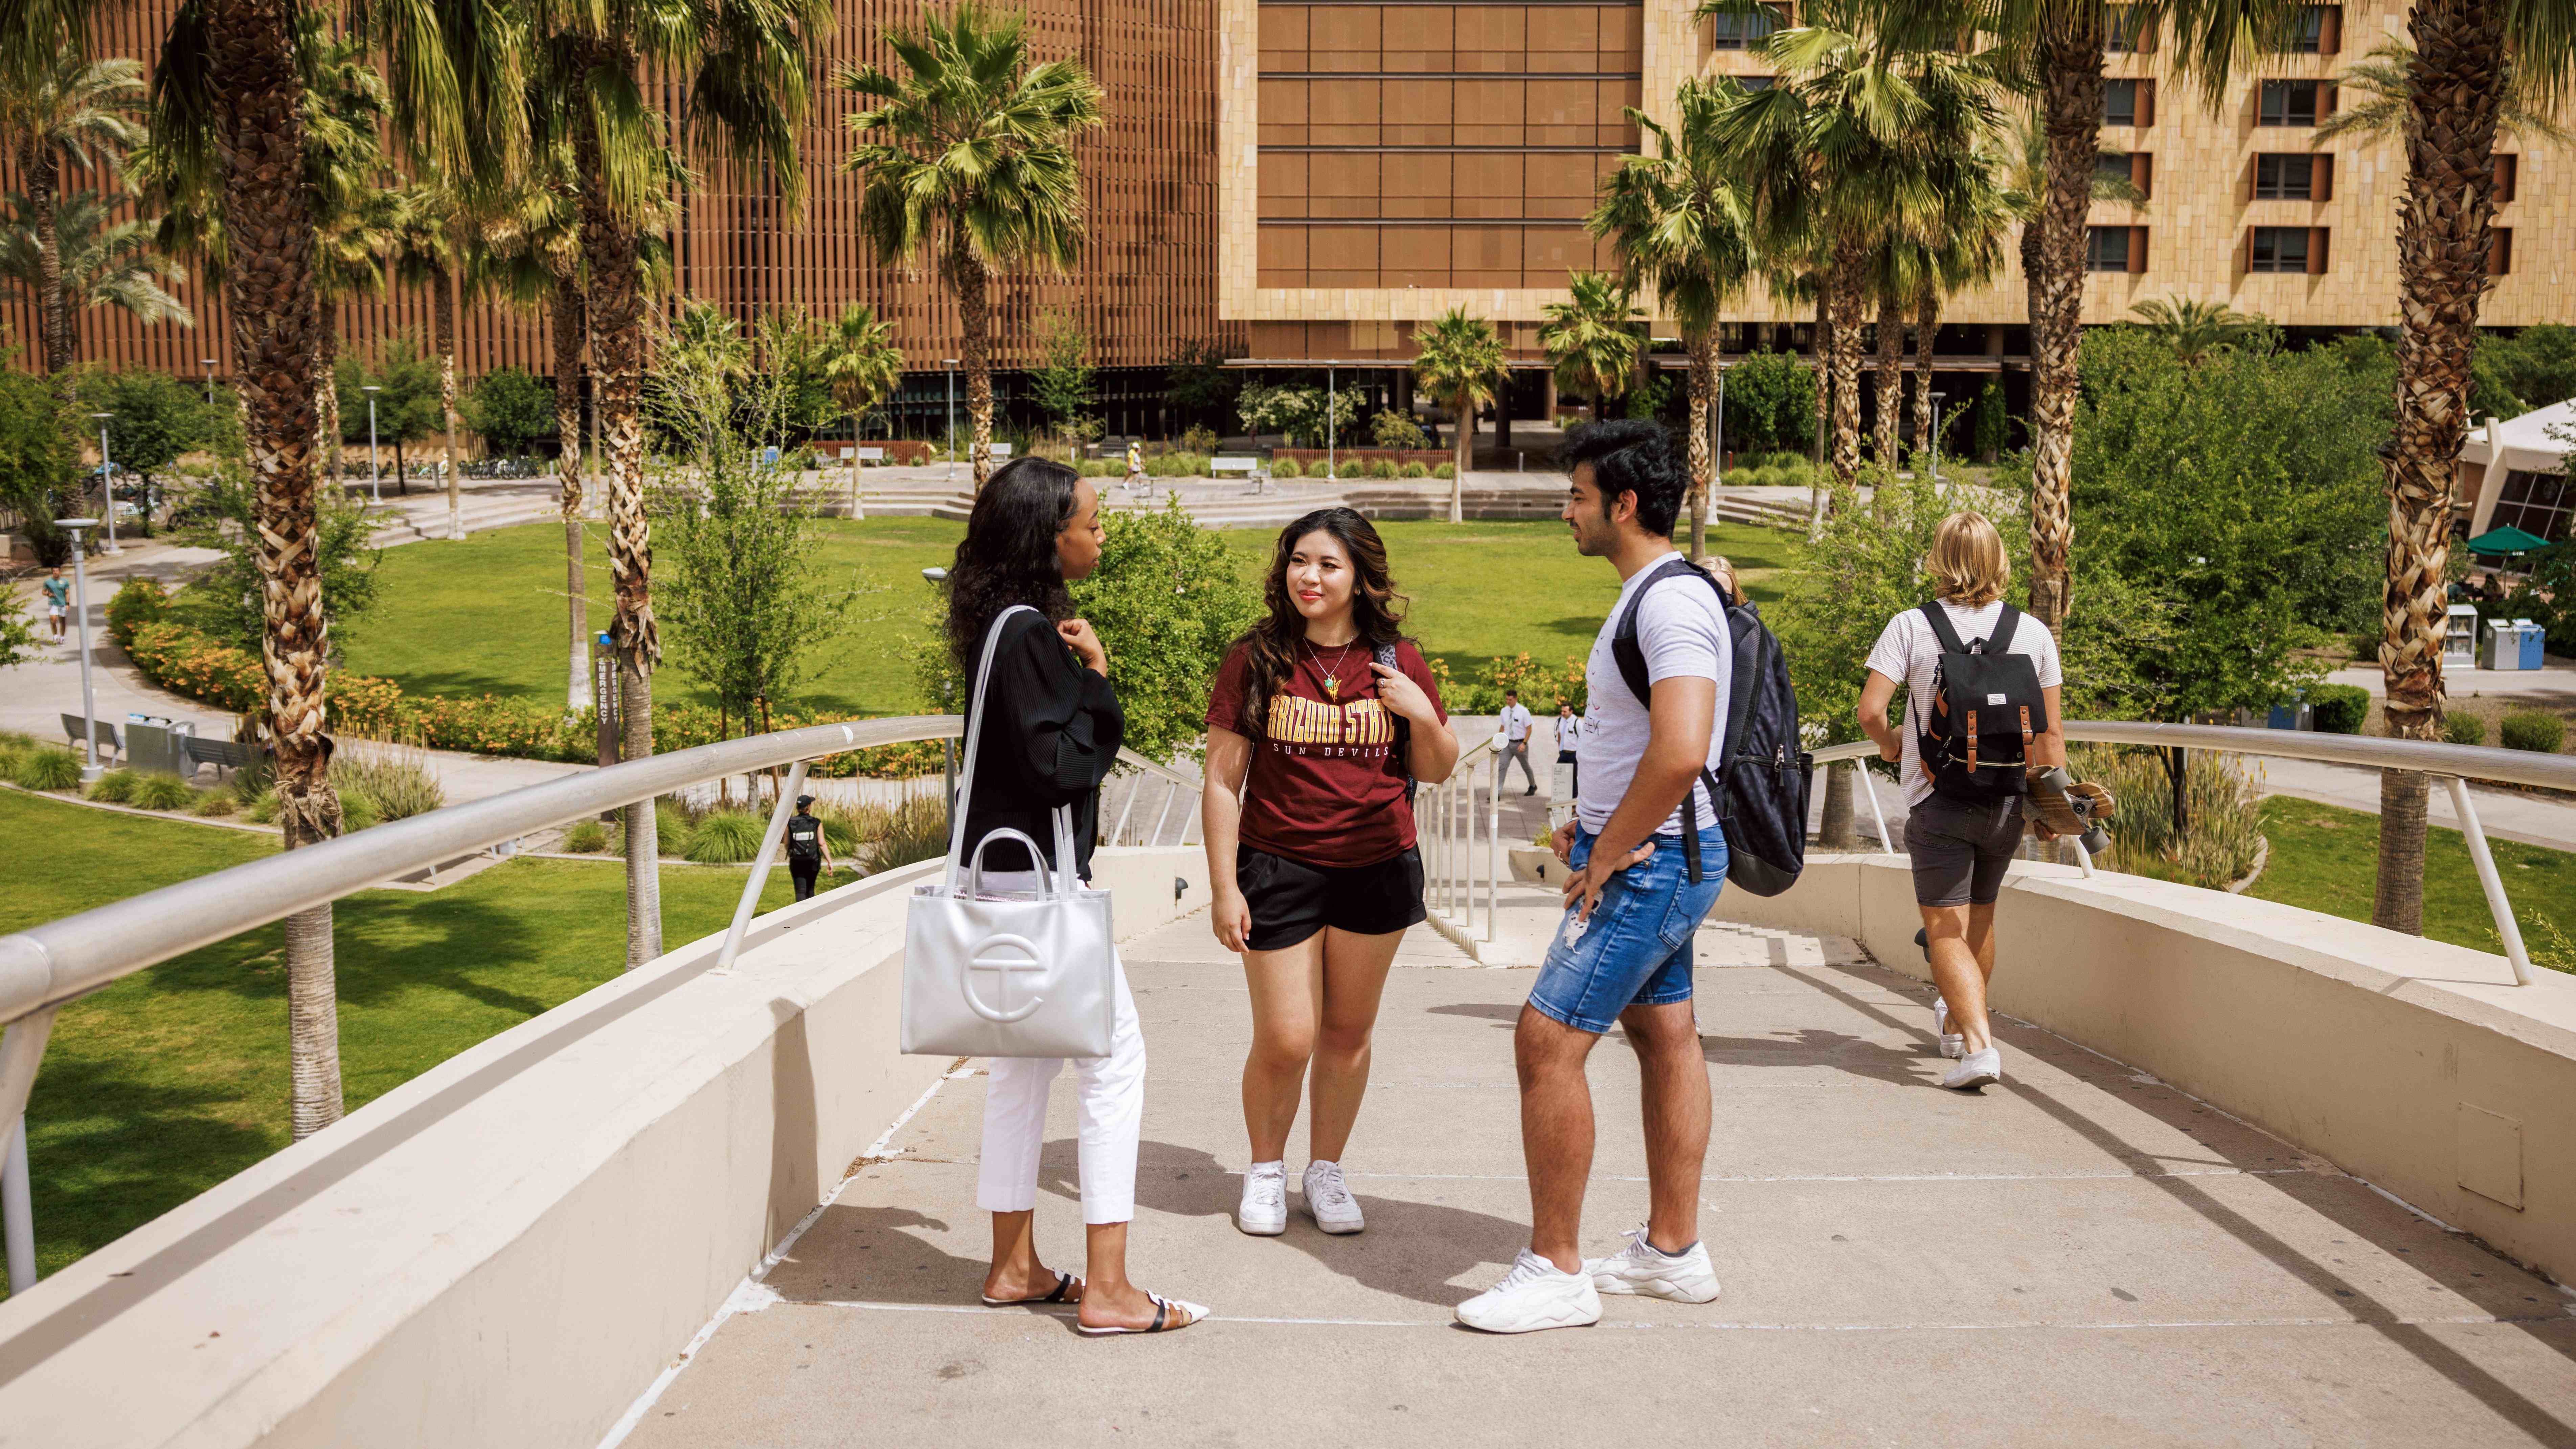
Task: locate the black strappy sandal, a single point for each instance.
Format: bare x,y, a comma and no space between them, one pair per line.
1064,1284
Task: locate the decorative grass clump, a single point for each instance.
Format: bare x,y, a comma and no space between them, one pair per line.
2224,816
1287,468
397,782
1445,470
262,809
48,769
588,838
2534,730
116,787
216,804
915,830
1383,468
164,792
725,837
1416,470
2463,728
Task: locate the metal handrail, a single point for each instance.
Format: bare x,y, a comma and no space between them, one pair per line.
2455,765
1445,829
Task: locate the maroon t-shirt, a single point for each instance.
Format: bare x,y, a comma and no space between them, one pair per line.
1325,786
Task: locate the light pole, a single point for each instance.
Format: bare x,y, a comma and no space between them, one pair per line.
1717,423
209,365
80,614
948,368
1937,396
375,480
107,484
1331,469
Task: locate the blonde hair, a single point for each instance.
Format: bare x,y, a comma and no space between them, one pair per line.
1724,572
1967,562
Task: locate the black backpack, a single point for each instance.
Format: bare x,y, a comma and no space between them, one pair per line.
1385,654
1986,706
804,837
1761,783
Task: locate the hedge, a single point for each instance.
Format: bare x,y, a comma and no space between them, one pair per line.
2338,709
189,662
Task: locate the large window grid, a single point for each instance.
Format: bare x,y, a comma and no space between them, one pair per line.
2540,504
2282,249
2292,103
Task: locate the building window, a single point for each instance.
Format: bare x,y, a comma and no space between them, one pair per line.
2540,504
2293,103
2113,170
2508,172
2111,166
2500,251
1756,82
2128,103
1740,32
2285,178
2286,249
2319,31
2124,34
2106,249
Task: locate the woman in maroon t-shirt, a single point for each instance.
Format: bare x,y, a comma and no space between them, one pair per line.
1308,815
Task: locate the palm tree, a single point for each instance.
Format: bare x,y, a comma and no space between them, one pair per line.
1593,339
63,110
1679,224
1460,358
102,262
2197,329
432,242
2371,103
970,156
742,69
864,368
1968,252
230,99
2471,57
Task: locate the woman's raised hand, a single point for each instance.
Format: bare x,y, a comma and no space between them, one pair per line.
1078,635
1397,691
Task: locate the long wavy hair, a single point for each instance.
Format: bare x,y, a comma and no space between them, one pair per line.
1008,554
1271,645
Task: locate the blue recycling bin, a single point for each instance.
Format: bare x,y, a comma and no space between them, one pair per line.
2533,639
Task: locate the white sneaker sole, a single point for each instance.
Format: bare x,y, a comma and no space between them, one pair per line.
1570,1316
1337,1229
1664,1288
1972,1081
1261,1229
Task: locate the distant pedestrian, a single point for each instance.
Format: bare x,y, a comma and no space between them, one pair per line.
58,601
1569,738
809,850
1515,730
1136,466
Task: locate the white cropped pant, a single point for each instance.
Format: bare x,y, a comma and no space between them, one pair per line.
1111,1109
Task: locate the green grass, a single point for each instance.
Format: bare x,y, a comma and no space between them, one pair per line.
486,615
2327,859
174,1079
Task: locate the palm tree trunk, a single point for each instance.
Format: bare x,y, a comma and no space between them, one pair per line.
1927,321
1838,830
42,168
1703,393
1890,375
967,277
2072,41
567,330
326,386
1848,293
2443,231
443,317
1823,376
617,303
1463,439
274,321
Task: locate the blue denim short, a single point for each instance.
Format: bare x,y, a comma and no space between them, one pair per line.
1636,948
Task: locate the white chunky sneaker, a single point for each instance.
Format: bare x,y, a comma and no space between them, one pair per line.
1329,1201
1976,1069
1952,1044
1536,1294
1643,1268
1264,1209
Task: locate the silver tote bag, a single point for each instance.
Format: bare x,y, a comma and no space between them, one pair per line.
1007,974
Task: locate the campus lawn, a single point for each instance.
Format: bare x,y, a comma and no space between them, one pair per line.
174,1079
2327,859
486,615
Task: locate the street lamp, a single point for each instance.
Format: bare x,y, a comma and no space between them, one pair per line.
80,613
375,480
107,484
948,366
1331,470
1937,396
209,364
1717,423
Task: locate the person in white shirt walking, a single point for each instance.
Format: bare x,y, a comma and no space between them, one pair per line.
1515,728
1638,891
1569,738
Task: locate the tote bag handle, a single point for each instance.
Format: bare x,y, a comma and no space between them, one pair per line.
1062,885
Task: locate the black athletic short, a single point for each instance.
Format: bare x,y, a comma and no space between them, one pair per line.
1291,900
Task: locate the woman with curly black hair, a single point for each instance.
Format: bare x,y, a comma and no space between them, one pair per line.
1322,716
1047,734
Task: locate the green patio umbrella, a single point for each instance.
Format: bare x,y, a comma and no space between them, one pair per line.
2506,540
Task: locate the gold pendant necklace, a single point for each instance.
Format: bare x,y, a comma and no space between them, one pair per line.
1333,671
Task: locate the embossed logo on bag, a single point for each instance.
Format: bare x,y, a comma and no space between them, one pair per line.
1001,958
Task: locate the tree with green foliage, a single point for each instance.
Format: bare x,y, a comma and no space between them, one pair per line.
2195,328
1770,405
2534,368
1992,431
512,408
1063,380
152,419
1462,360
38,463
1198,383
17,633
1593,340
102,262
226,600
408,405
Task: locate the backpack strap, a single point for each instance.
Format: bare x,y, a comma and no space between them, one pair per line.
2001,639
1630,656
1624,648
1403,744
1941,628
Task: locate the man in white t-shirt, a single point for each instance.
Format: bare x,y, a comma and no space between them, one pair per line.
1622,954
1960,849
1515,728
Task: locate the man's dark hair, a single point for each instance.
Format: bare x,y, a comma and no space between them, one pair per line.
1632,455
1511,694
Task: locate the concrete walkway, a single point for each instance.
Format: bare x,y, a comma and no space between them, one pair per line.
2081,1255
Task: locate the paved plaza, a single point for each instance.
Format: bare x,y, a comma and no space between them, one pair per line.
2080,1255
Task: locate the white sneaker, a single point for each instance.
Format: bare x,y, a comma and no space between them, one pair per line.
1976,1069
1329,1201
1952,1044
1536,1294
1641,1267
1264,1209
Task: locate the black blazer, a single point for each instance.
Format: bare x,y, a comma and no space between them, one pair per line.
1050,733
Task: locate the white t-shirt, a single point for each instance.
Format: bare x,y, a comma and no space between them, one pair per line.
1516,722
1681,629
1569,732
1909,653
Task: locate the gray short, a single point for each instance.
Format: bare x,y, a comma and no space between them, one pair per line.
1961,851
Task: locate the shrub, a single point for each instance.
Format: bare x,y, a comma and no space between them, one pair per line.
2463,728
397,781
1414,470
588,838
1445,470
2226,828
673,822
2531,729
1198,438
2339,709
116,787
1095,468
139,602
726,837
262,809
359,811
164,792
216,804
1286,468
916,830
48,769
